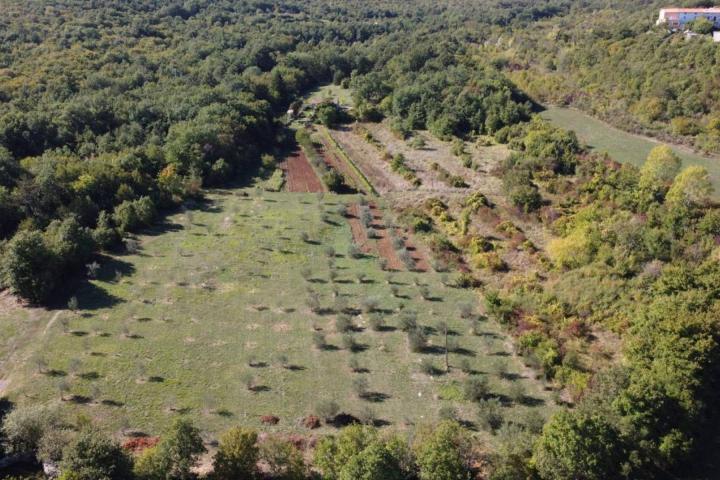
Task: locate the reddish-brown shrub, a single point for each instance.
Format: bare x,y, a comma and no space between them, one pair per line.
269,420
138,444
312,422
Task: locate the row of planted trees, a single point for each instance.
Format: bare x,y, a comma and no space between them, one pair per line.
79,451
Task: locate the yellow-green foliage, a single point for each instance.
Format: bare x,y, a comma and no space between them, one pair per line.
490,261
508,228
571,251
659,169
478,244
691,187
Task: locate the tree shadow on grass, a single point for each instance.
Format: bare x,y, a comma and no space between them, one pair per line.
89,375
112,403
375,397
295,368
464,351
530,401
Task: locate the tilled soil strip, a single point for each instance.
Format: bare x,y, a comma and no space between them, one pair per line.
300,174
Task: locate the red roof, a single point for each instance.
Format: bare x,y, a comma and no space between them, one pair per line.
692,10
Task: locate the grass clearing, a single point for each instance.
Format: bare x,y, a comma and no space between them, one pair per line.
623,146
215,300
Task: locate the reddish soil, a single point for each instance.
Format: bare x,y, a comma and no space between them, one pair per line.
384,242
300,174
383,246
358,231
421,262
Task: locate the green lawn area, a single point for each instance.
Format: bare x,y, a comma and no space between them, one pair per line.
623,146
340,95
170,329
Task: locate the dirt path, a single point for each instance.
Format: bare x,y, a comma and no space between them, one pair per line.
368,160
52,322
300,174
332,161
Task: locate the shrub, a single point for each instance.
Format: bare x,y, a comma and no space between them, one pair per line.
354,251
416,340
175,456
466,310
343,323
28,266
327,410
283,459
490,415
354,364
369,305
476,389
448,413
376,322
319,340
237,455
427,367
408,321
24,427
359,453
349,343
360,386
442,452
95,457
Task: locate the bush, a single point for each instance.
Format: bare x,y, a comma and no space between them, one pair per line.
283,459
408,322
427,367
349,343
327,410
369,305
237,455
24,427
442,452
417,341
490,415
343,323
376,322
29,267
359,453
360,386
95,457
334,181
175,456
476,389
319,340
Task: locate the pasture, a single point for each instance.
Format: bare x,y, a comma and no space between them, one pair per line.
218,315
622,146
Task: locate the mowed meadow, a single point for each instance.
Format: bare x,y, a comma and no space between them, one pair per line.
220,315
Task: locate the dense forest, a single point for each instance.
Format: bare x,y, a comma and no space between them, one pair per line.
115,112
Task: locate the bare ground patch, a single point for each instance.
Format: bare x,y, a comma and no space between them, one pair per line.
300,175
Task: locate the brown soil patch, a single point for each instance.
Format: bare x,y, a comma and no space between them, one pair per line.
418,255
358,231
300,174
384,242
368,159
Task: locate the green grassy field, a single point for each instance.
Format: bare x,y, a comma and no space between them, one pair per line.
336,93
170,329
623,146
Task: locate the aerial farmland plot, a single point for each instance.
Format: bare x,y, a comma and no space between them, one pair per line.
255,304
